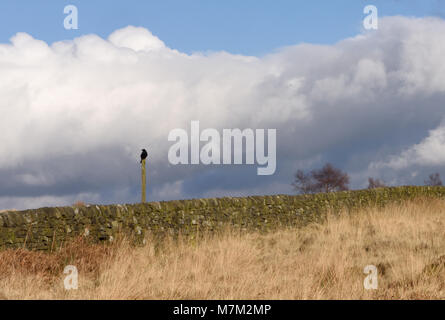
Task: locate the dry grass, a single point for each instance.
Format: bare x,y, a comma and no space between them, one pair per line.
406,243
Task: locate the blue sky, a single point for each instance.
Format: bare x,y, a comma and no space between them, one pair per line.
248,27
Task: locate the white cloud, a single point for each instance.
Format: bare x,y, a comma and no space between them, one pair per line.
429,152
138,39
74,114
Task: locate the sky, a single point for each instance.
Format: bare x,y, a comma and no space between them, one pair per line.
77,106
248,27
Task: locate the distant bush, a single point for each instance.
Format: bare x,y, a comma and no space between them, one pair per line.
326,179
434,180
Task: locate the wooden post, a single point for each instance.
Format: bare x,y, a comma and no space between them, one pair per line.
143,181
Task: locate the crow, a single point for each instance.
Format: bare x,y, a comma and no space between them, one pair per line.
144,154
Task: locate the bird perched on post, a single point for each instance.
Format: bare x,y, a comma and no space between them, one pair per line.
144,154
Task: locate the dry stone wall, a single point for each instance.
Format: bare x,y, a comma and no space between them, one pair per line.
48,228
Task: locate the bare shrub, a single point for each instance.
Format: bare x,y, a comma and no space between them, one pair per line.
434,180
326,179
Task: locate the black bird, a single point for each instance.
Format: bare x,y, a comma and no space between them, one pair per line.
144,154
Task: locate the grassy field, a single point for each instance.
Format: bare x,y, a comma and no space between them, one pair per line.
321,261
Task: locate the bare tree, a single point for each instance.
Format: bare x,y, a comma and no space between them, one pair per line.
304,183
434,180
331,179
375,183
326,179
